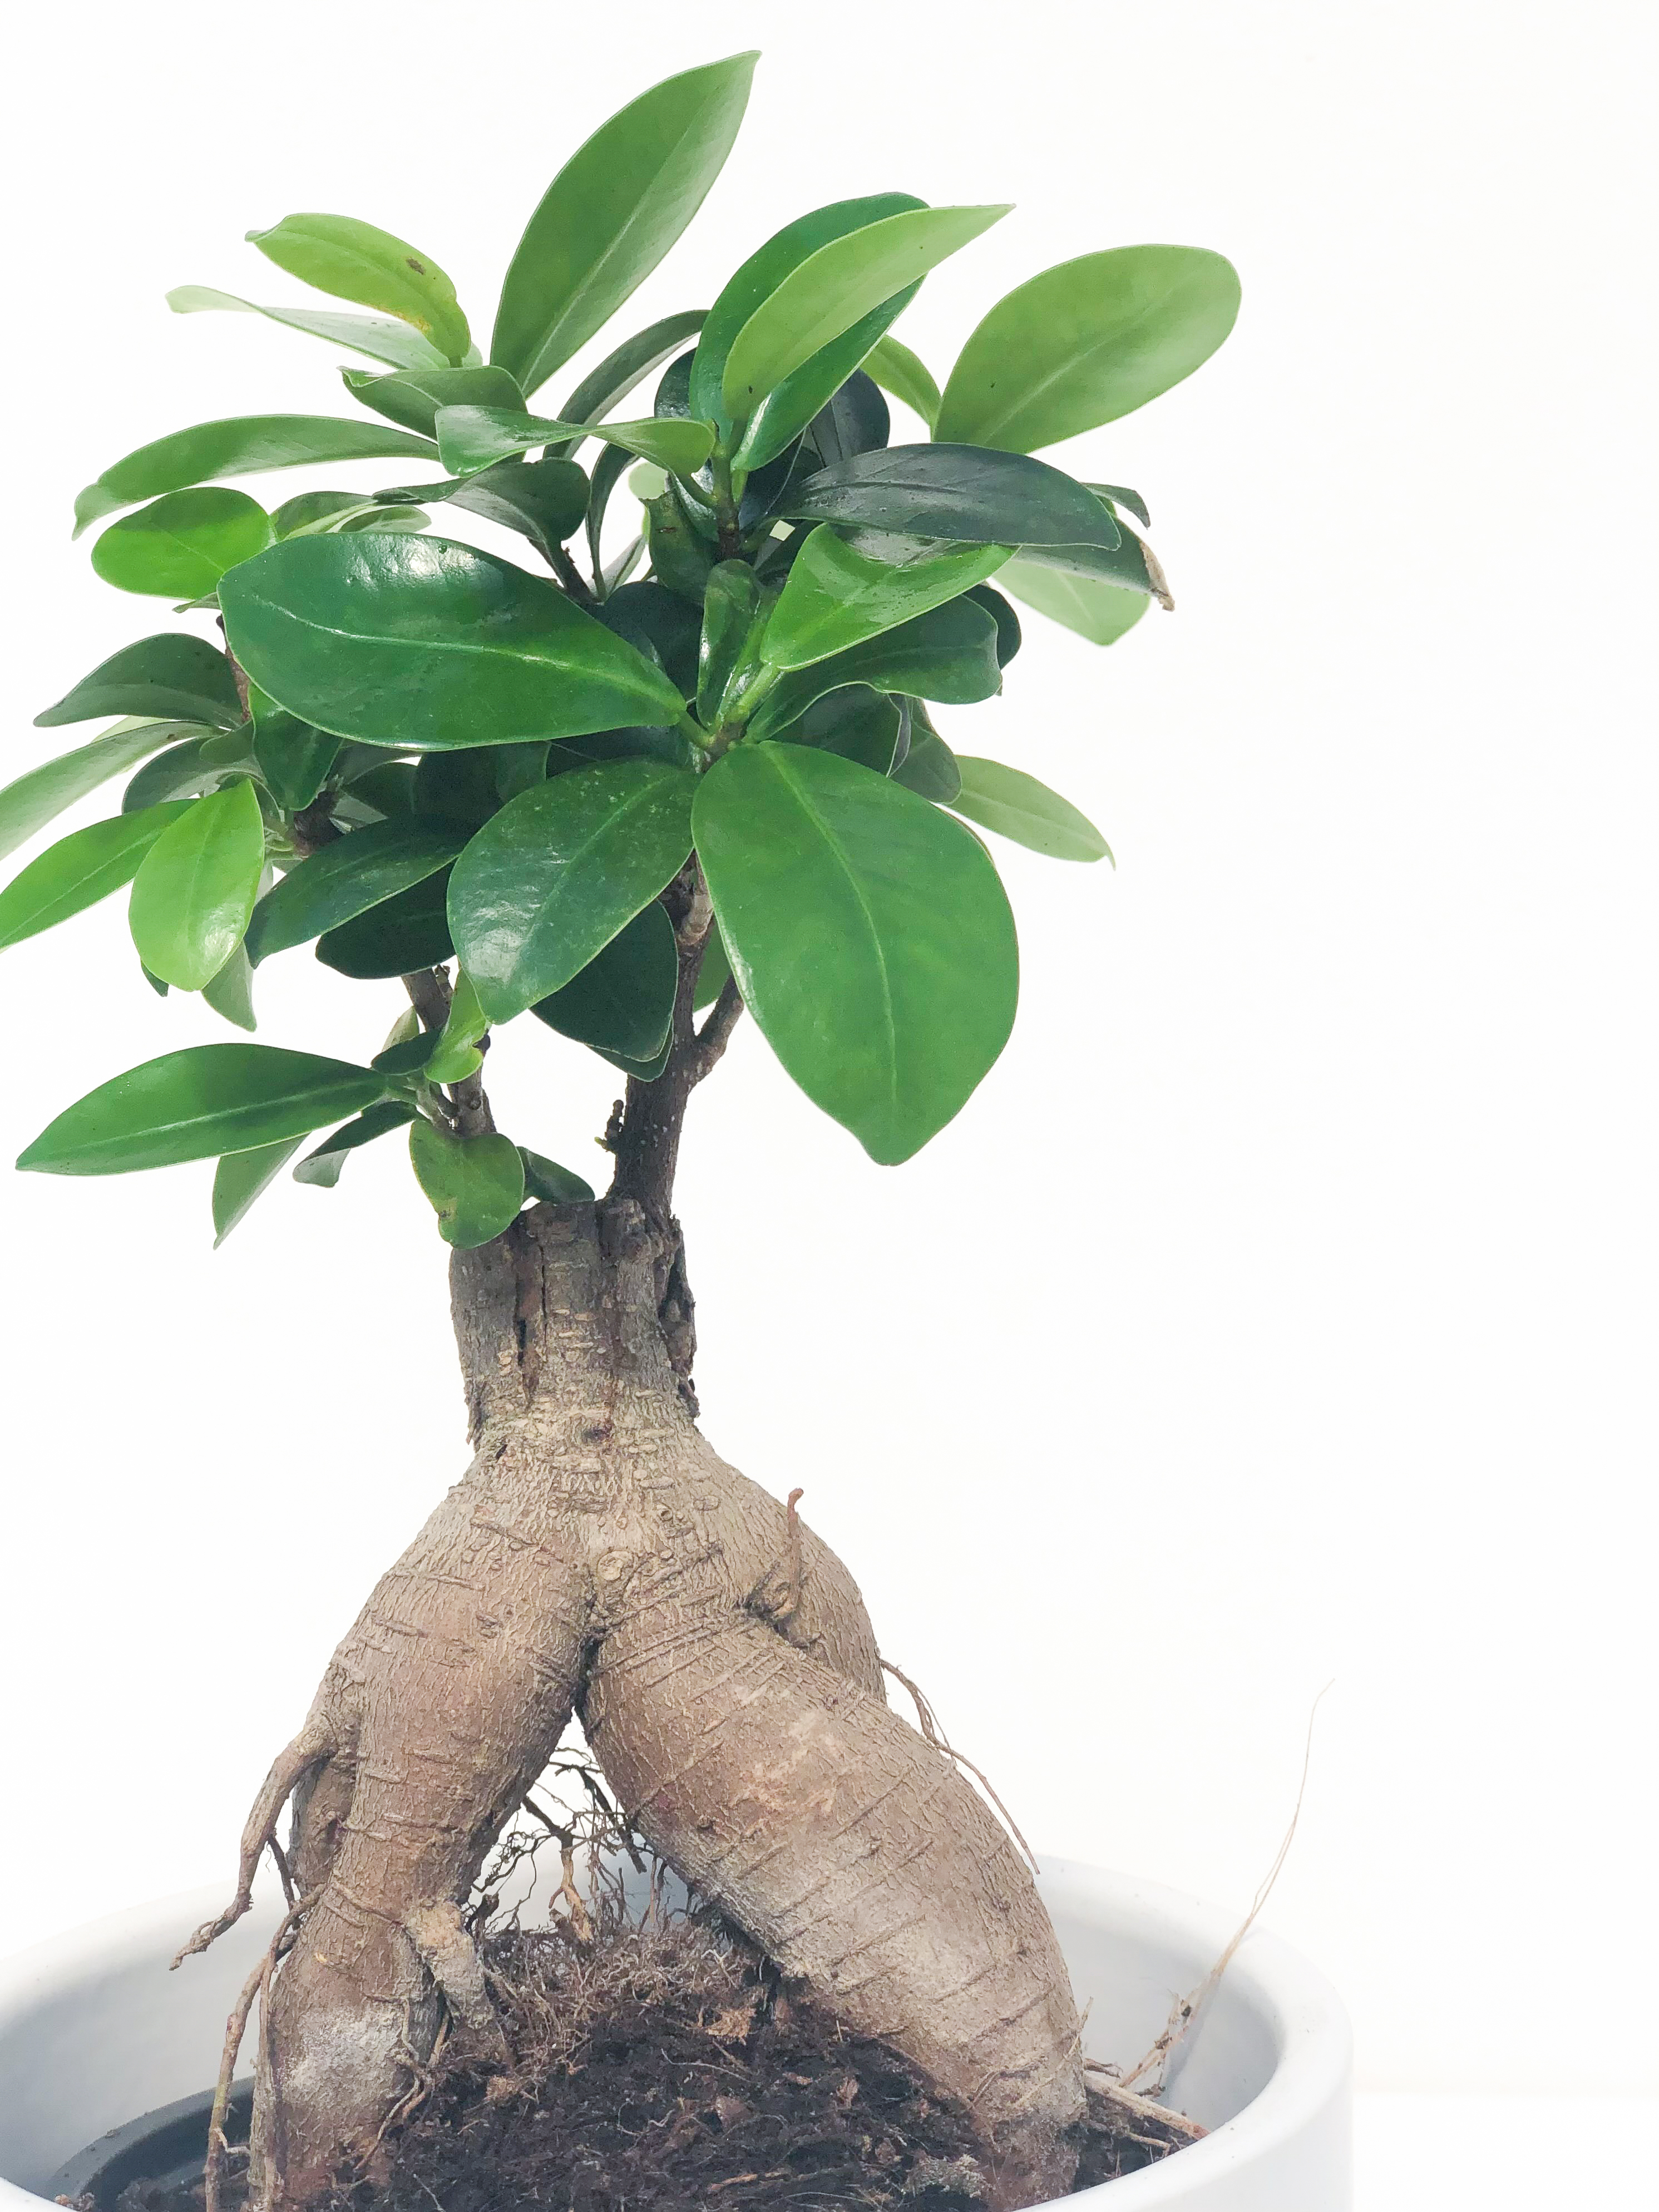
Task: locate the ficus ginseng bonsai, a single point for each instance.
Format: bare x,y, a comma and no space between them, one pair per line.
620,794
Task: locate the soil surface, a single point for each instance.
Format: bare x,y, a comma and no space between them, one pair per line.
665,2070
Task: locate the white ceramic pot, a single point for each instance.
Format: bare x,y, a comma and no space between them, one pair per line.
94,2031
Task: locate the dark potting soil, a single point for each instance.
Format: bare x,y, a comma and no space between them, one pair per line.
666,2070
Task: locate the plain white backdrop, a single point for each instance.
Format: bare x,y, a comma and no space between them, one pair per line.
1278,1311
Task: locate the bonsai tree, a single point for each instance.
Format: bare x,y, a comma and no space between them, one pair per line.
630,786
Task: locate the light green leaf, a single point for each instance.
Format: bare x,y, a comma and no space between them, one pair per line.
832,288
242,1177
868,934
178,547
835,597
611,214
546,1180
78,871
170,677
476,1184
241,445
1096,610
322,1168
347,878
421,644
353,261
454,1055
471,438
1017,805
395,343
1086,342
41,794
230,992
898,370
191,1105
197,885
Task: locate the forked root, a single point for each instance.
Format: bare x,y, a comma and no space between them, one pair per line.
313,1744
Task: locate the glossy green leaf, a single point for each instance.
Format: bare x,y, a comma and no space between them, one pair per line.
397,938
869,935
242,1177
1086,342
950,653
611,214
955,492
181,771
41,794
680,558
472,438
1015,805
230,992
419,643
322,1168
1010,636
178,547
294,758
835,597
929,767
241,445
1130,564
546,1180
396,343
476,1184
550,879
1095,609
834,287
413,397
78,871
656,622
171,676
859,724
353,261
623,1001
731,604
544,501
898,370
349,876
453,1053
193,893
615,376
855,419
191,1105
314,512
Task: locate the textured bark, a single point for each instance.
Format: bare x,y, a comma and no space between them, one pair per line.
599,1556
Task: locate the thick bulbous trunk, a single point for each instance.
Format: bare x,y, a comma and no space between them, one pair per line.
599,1556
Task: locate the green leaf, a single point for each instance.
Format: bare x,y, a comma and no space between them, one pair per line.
1017,805
1009,634
1131,565
322,1167
855,419
950,653
43,792
419,644
413,397
294,758
472,438
193,893
546,1180
170,677
191,1105
230,992
859,724
898,370
1121,495
623,1000
543,501
731,604
868,934
181,771
610,384
476,1184
465,786
241,445
353,261
390,341
453,1056
242,1177
550,879
835,597
1096,610
843,281
1086,342
611,214
178,547
929,767
78,871
347,878
955,492
397,938
680,558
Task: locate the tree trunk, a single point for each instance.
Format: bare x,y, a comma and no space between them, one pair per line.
598,1557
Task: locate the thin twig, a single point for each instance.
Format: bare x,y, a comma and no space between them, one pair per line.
719,1023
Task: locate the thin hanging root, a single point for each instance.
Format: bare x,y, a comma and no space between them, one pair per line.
314,1743
936,1736
257,1985
582,1920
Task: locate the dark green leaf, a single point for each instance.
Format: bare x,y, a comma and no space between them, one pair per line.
242,1177
323,1166
230,992
397,343
412,397
1095,609
353,261
898,370
518,768
546,1180
610,384
681,558
347,878
623,1000
730,606
1131,565
1086,342
950,653
955,492
474,438
419,643
835,597
242,445
45,791
78,871
543,501
397,938
178,548
171,676
464,786
869,935
191,1105
1017,805
390,788
608,472
853,420
1009,636
294,758
181,771
551,880
929,767
611,214
1121,495
193,893
476,1184
859,724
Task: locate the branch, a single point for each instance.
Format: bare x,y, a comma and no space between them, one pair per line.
429,995
716,1031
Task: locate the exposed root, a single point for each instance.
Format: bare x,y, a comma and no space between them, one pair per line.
257,1985
936,1736
1142,2117
313,1744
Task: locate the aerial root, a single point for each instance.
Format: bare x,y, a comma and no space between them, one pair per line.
314,1743
257,1985
936,1736
778,1611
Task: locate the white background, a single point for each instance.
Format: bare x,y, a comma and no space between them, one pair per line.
1276,1312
